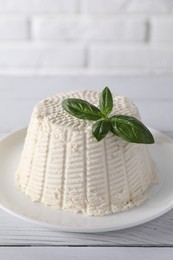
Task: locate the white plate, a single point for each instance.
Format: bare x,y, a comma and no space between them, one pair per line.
16,203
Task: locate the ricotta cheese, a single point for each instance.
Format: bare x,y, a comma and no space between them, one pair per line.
65,167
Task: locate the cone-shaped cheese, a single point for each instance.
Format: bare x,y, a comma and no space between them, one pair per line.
64,166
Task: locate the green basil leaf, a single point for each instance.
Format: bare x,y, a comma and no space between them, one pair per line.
131,129
101,128
113,130
106,101
82,109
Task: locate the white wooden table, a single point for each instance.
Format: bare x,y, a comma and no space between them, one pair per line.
22,240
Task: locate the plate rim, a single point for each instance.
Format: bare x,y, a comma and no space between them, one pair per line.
72,229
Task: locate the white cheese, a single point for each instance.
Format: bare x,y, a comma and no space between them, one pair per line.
65,167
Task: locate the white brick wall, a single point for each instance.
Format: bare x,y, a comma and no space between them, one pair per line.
86,36
127,6
109,56
14,28
162,29
88,28
42,55
39,6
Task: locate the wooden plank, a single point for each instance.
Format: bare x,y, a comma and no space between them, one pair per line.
40,87
86,253
17,232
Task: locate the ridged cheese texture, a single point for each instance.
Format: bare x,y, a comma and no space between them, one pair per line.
65,167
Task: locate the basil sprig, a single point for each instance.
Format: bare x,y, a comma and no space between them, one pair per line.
126,127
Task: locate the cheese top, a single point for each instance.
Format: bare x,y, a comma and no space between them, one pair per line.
51,108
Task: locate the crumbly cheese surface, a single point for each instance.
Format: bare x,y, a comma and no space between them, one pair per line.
65,167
